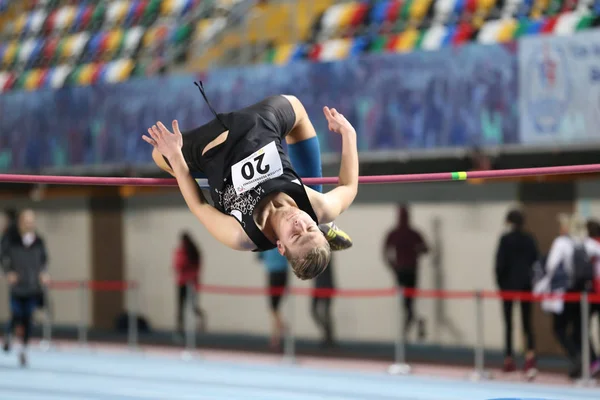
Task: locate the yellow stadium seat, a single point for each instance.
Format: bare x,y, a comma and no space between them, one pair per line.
68,46
407,41
507,30
149,36
115,38
32,79
478,20
202,26
86,74
167,7
10,53
20,23
125,68
69,18
346,13
419,9
485,5
283,53
539,6
343,48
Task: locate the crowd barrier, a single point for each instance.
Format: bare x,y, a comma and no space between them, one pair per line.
400,365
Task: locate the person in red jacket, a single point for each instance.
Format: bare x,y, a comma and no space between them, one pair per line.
402,249
187,264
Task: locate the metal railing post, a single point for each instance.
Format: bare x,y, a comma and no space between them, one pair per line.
83,314
479,348
190,321
46,342
132,325
400,367
586,379
289,344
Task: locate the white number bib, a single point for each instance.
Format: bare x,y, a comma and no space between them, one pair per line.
257,168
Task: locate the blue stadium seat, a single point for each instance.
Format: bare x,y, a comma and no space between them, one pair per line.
379,12
359,46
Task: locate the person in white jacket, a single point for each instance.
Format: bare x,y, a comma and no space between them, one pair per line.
558,279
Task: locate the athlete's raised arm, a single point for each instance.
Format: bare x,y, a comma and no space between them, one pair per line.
222,227
331,204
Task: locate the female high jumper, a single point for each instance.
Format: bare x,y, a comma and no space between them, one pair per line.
259,200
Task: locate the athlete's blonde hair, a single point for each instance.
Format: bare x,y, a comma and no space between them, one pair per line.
312,263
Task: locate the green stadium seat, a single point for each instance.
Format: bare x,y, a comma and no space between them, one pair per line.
378,44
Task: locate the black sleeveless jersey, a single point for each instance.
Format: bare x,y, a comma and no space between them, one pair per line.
250,165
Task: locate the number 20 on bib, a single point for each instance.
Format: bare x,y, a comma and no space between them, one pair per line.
257,168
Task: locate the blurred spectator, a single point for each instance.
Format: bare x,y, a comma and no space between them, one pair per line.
593,229
321,305
25,263
402,249
9,224
277,276
568,254
479,161
187,263
517,252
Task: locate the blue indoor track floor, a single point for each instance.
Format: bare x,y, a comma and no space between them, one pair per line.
82,375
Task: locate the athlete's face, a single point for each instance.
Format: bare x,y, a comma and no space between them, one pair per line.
297,232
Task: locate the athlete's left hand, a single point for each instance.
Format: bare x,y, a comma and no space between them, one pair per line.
337,123
168,144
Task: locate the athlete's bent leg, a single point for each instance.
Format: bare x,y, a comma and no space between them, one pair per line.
305,154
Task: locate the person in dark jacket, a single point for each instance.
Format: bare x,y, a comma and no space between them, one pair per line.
517,253
9,227
321,305
24,259
402,250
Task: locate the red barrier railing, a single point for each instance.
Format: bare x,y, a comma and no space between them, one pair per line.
388,292
399,366
322,292
99,286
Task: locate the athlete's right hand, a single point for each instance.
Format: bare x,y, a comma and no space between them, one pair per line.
168,144
337,122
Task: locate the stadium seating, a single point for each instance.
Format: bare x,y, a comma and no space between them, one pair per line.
353,28
52,43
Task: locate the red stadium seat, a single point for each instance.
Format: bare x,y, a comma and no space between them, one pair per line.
392,42
360,13
50,49
464,33
315,52
140,8
548,26
49,25
43,78
97,73
393,10
9,82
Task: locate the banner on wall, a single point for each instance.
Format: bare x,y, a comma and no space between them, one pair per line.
560,89
424,100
